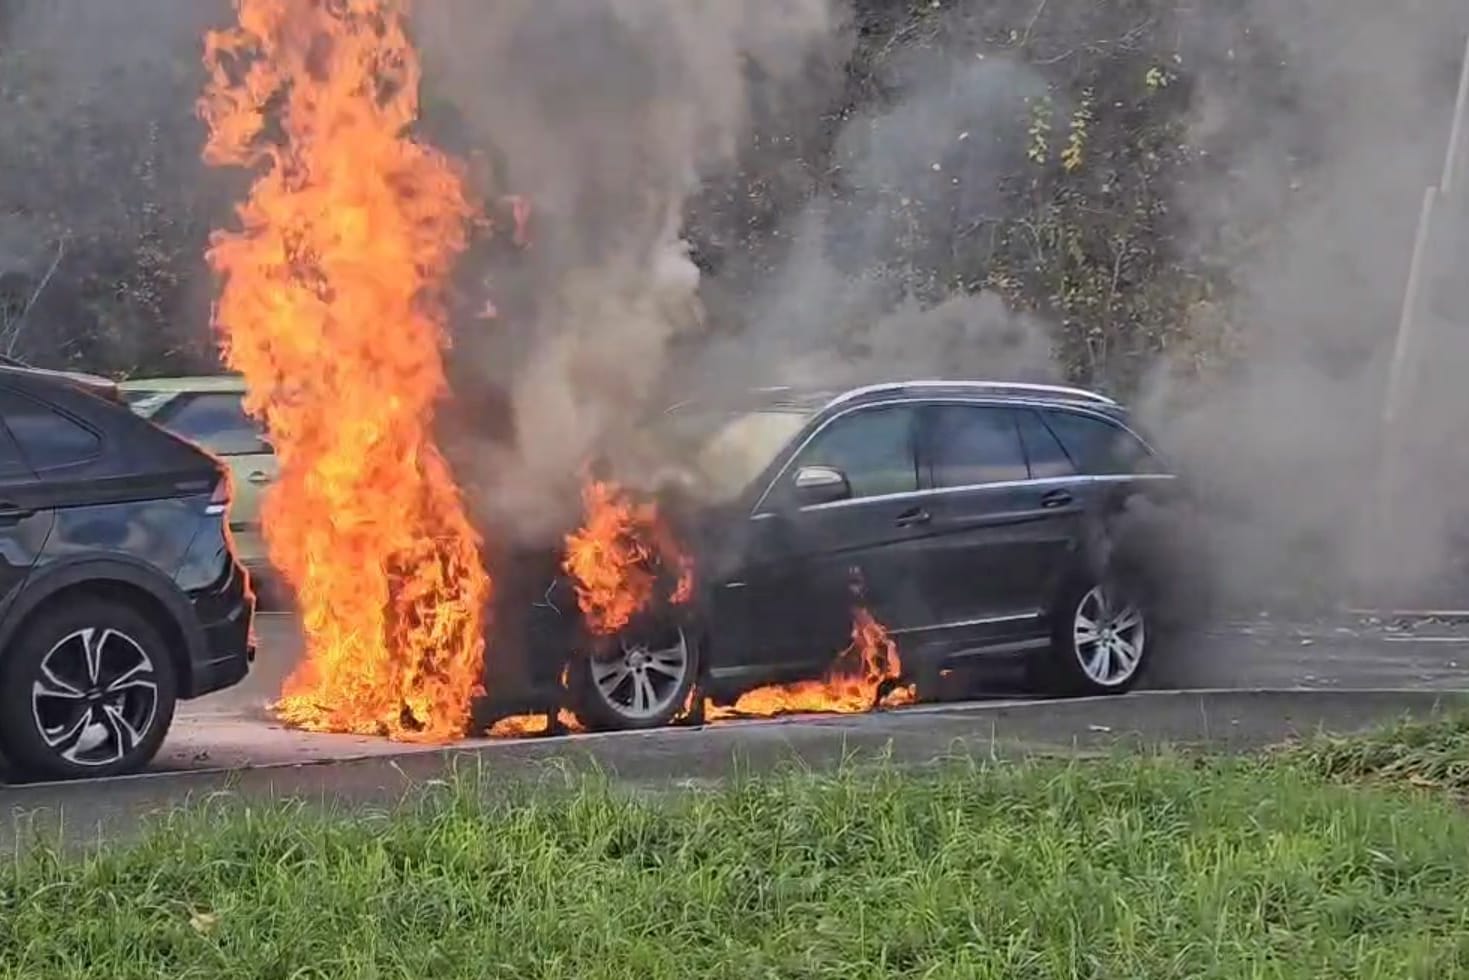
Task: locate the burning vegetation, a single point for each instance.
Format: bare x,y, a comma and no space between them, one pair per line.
330,309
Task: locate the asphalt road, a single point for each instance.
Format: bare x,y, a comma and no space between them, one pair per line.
1265,681
233,729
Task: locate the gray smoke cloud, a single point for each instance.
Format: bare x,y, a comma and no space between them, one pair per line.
606,115
1315,217
860,294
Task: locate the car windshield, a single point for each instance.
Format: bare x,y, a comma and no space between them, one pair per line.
725,450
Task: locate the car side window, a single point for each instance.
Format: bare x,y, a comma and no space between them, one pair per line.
13,467
218,422
971,445
873,447
48,440
1043,451
1101,448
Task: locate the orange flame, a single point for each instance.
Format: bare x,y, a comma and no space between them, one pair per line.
331,310
524,726
521,726
852,684
616,557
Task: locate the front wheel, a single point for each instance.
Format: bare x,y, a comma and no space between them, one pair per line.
642,680
1100,644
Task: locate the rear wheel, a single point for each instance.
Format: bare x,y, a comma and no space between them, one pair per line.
87,690
1101,641
642,680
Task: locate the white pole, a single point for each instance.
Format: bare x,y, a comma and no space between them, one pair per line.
1379,540
1402,344
1456,130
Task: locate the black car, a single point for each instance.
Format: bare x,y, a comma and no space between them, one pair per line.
971,519
119,590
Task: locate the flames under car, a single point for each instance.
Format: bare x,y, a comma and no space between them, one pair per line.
959,519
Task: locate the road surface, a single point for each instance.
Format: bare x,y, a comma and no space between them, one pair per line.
1268,682
233,728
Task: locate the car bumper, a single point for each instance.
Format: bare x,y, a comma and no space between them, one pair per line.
227,619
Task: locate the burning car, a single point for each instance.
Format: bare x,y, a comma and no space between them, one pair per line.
951,520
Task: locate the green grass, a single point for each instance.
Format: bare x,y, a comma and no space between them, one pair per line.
1162,867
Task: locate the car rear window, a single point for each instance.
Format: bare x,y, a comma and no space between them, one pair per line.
217,421
1099,447
48,439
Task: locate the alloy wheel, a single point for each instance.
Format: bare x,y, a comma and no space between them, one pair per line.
96,697
1108,636
642,680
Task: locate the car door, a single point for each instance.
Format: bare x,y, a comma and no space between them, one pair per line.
26,516
217,421
1119,472
1006,524
808,565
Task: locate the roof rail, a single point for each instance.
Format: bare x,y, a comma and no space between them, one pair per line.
997,386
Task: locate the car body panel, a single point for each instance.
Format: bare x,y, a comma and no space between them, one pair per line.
137,517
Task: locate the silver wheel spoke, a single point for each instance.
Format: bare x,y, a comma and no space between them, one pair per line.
1102,662
64,736
51,686
124,736
609,674
92,644
644,697
139,676
1126,656
669,663
1128,619
1086,629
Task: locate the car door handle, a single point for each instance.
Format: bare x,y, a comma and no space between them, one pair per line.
1057,498
914,518
13,513
259,477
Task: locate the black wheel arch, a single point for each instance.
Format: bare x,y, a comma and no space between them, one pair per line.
120,579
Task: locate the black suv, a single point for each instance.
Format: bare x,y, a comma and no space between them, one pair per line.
974,518
119,590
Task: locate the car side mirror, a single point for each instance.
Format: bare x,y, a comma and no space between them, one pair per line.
821,485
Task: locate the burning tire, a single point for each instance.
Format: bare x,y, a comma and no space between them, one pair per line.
1101,641
88,690
641,680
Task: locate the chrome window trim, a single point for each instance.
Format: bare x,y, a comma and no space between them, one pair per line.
1045,481
994,387
757,514
965,623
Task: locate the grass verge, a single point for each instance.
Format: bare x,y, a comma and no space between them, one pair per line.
1158,867
1427,754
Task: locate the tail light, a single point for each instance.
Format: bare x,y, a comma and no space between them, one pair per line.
219,501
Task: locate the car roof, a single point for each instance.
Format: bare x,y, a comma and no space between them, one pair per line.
1025,391
821,400
230,383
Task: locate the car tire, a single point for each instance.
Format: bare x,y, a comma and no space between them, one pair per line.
87,689
1101,641
643,679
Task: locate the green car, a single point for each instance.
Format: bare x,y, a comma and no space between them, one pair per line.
209,411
